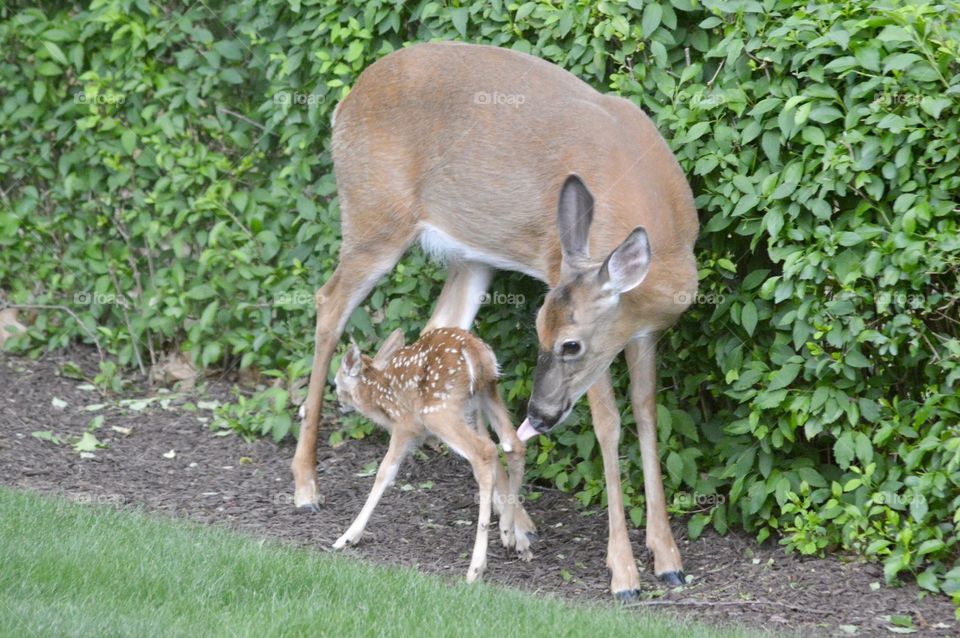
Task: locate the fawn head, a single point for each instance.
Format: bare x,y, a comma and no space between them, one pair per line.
355,366
582,325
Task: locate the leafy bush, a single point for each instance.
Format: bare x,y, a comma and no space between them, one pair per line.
167,186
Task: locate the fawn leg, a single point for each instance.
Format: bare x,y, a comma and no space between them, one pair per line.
482,454
515,450
400,442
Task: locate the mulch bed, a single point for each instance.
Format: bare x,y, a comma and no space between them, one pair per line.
425,521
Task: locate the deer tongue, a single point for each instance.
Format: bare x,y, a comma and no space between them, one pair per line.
526,431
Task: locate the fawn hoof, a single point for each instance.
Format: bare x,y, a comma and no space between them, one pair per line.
308,508
627,595
475,574
344,540
507,538
525,554
673,579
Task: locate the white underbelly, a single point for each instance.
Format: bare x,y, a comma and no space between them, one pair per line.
441,246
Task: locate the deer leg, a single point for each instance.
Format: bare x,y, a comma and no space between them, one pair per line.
400,442
462,294
641,361
625,579
482,454
351,282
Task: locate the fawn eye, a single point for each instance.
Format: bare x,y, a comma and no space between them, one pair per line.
570,349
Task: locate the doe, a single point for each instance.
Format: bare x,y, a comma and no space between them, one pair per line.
441,385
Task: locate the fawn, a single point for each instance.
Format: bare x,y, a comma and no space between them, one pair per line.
441,385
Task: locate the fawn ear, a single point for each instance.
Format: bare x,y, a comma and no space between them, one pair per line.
393,343
352,361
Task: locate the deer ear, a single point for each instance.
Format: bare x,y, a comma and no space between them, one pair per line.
352,361
628,264
393,343
574,216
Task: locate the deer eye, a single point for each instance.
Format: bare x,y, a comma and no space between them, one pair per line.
570,349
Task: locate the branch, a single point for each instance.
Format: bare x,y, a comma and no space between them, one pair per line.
240,116
70,312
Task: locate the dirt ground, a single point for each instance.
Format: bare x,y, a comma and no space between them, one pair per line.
165,459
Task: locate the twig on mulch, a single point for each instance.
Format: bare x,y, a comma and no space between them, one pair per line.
720,603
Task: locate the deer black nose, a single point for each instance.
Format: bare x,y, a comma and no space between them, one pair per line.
540,421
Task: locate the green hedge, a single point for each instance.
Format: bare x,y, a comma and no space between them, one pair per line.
167,186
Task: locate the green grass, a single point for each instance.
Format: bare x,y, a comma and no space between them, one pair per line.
75,570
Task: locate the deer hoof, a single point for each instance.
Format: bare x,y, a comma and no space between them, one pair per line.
627,595
525,555
308,508
673,579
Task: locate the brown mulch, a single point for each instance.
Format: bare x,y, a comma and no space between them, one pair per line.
426,520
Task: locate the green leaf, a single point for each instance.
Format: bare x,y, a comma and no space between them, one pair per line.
696,524
128,140
784,376
229,49
87,443
55,52
49,69
919,507
675,467
771,146
39,90
927,579
825,114
354,51
652,15
748,317
844,450
931,546
307,208
459,18
696,131
933,106
864,448
47,435
201,292
899,61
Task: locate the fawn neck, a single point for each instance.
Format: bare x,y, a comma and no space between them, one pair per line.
378,397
